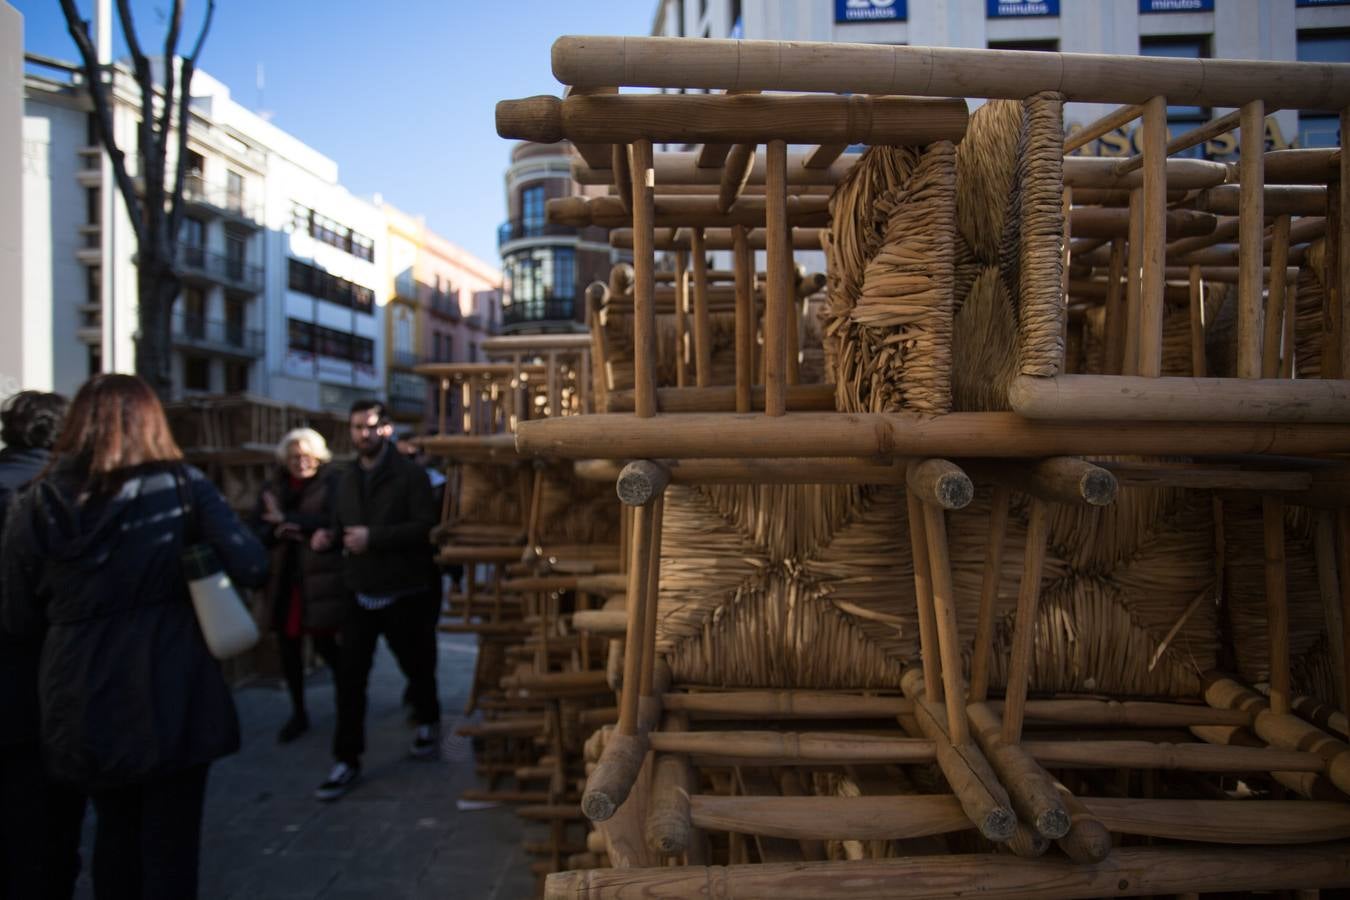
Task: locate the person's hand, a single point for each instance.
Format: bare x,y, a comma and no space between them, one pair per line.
356,539
272,513
321,540
289,531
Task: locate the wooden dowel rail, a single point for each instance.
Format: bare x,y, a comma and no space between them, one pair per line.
1283,730
1110,222
1024,630
1059,479
1030,787
820,747
981,654
1132,871
1276,200
680,168
888,436
982,797
1100,172
761,471
732,118
801,704
679,212
717,239
1086,398
800,397
942,72
1126,754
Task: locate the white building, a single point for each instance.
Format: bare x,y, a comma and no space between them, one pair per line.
1311,30
282,268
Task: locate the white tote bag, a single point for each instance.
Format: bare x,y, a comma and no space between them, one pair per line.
226,624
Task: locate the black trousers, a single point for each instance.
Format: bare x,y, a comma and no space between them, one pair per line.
293,663
410,632
148,841
39,828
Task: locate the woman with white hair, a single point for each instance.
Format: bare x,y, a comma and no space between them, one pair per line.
305,594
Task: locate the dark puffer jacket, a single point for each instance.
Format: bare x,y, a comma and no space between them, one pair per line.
18,653
394,501
127,687
326,598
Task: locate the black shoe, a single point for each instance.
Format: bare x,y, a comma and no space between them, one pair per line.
340,781
297,725
426,742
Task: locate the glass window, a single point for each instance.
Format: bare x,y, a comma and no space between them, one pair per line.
1319,129
1184,47
300,215
194,233
196,373
363,351
194,313
300,335
532,210
236,378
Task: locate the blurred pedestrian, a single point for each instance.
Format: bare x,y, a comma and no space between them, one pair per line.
134,708
305,593
39,818
382,522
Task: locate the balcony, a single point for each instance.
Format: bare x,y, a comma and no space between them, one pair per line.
406,359
228,338
221,200
518,229
197,264
444,303
525,313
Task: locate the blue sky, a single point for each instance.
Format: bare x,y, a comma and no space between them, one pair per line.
400,93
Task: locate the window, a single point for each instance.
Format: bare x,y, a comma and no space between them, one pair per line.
1046,46
300,336
236,378
702,9
532,211
194,313
315,282
236,249
93,206
736,27
1319,129
196,164
93,286
542,283
1181,119
194,233
363,351
196,373
234,321
322,228
337,344
234,190
403,335
94,360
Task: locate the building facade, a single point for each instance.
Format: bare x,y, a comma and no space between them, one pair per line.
443,303
1310,30
286,275
546,266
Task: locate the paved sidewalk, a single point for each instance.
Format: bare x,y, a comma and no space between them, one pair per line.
397,835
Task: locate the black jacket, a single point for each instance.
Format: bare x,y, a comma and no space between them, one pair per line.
18,653
394,501
320,575
127,687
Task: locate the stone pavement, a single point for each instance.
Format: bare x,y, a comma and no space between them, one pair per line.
396,836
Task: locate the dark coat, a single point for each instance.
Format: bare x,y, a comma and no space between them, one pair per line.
394,501
18,653
128,689
320,576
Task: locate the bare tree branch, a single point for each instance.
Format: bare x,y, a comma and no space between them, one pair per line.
99,92
166,117
152,146
189,67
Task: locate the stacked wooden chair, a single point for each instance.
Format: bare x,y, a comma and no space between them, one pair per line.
1017,562
536,544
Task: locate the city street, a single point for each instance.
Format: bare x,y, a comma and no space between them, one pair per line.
396,836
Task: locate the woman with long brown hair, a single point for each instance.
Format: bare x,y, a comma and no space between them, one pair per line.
134,708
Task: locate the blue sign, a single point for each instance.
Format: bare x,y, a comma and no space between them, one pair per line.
1321,2
871,10
1166,6
1000,9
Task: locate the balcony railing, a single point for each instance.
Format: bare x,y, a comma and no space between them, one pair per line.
524,312
406,359
236,203
225,337
515,229
228,270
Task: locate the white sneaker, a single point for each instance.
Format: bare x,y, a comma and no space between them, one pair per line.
340,781
426,742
